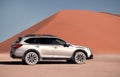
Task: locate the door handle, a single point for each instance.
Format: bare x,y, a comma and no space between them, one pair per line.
55,47
37,46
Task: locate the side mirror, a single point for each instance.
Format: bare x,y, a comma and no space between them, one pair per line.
66,45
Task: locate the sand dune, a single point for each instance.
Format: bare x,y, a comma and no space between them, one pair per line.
99,31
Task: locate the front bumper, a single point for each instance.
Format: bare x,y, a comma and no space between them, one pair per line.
90,57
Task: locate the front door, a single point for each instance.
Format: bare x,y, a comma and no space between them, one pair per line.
60,50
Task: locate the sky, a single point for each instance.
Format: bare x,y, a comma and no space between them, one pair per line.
18,15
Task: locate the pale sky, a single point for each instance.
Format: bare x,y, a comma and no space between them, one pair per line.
18,15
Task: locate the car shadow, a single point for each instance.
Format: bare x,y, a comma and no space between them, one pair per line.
53,62
40,62
11,63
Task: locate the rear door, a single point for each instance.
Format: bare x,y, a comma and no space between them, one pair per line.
45,48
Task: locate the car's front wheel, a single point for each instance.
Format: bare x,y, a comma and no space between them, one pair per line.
30,58
79,58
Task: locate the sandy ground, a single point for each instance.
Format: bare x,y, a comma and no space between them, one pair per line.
100,66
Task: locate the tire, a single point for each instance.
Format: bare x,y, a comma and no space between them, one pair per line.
79,58
30,58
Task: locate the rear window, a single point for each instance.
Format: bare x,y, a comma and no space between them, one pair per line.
44,41
18,40
51,41
31,41
38,41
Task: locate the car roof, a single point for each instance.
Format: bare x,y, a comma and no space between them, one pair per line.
40,35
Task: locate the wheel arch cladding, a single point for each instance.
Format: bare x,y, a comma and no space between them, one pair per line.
79,50
32,50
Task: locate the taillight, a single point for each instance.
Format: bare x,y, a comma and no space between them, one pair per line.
17,45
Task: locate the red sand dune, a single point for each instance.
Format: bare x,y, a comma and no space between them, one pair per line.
99,31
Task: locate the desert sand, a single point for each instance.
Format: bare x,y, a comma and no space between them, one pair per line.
96,30
101,66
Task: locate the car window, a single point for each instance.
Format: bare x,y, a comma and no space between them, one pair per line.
31,41
18,40
51,41
59,42
44,41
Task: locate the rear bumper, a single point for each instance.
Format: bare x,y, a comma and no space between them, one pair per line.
12,54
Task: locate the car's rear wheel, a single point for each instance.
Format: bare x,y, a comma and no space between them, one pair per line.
31,58
79,58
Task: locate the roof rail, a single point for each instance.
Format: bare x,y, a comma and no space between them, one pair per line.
28,35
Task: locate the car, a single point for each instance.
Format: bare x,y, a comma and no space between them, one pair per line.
34,47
